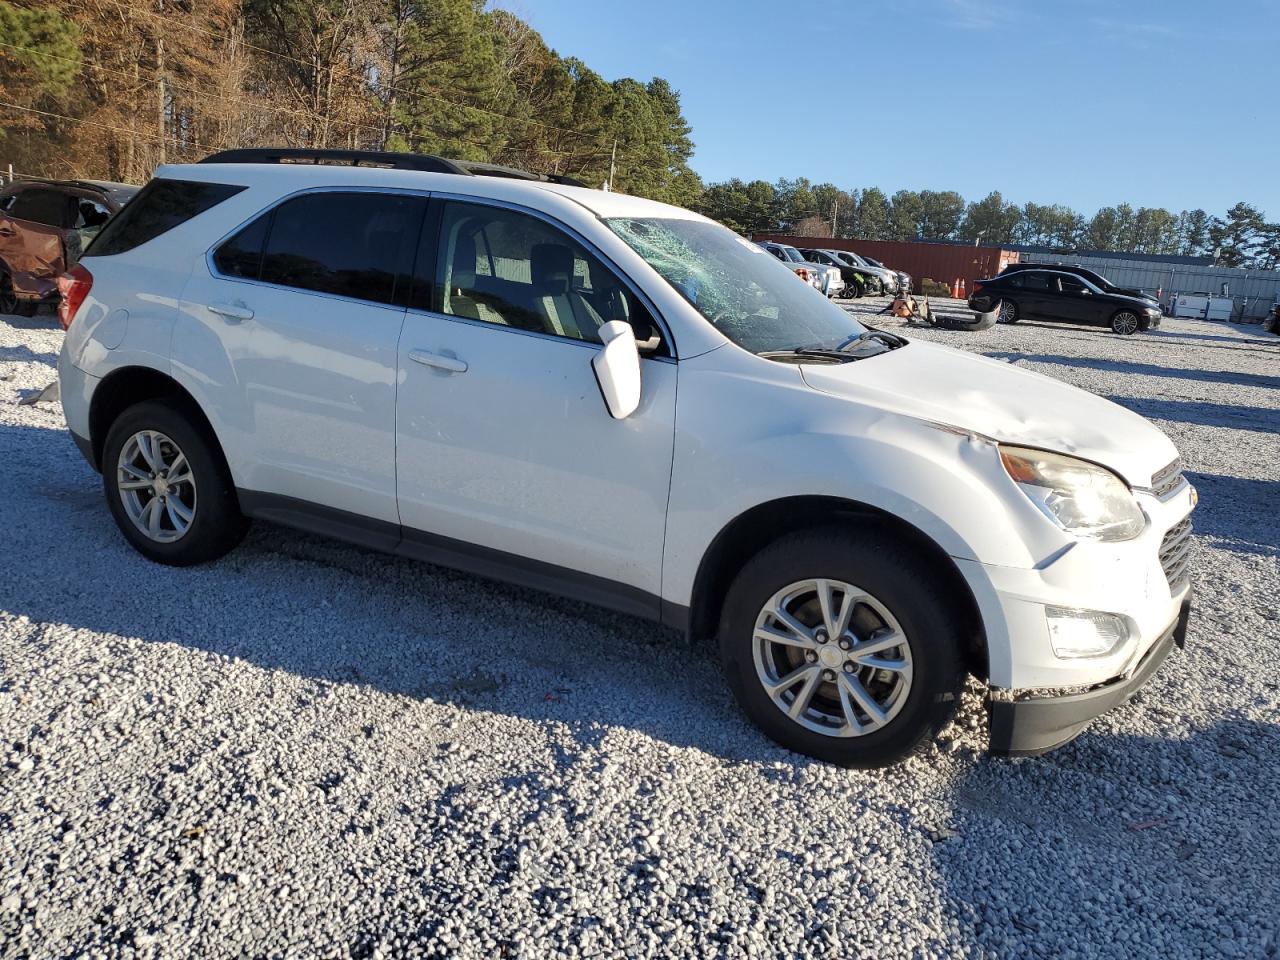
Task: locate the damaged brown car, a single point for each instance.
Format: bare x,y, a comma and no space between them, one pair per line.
44,227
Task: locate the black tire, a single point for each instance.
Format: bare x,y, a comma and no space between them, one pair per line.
899,581
1125,322
216,525
1009,312
8,302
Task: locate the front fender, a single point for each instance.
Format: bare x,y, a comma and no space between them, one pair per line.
947,484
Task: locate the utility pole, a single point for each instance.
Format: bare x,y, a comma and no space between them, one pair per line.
835,215
160,94
613,158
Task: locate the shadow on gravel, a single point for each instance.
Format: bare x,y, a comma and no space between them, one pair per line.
324,610
1228,416
24,354
1142,369
1246,338
1233,508
1144,846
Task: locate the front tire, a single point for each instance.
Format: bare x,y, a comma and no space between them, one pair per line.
168,487
839,646
1125,323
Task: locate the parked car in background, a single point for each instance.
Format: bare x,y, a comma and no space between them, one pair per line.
44,227
1097,279
824,278
890,282
904,278
856,283
482,372
1062,297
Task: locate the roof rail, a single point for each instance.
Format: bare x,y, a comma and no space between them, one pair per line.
346,158
385,159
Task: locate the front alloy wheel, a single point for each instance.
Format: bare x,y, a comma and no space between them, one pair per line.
1125,323
844,644
832,657
156,486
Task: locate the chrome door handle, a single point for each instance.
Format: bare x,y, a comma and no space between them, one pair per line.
438,360
231,311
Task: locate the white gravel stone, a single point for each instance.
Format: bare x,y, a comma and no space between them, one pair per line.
307,749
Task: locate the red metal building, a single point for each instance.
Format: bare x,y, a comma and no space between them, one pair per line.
944,262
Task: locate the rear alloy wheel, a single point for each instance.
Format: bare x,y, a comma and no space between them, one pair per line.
838,645
1008,312
168,486
1125,323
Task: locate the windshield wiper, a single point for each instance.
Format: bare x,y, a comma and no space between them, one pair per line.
817,353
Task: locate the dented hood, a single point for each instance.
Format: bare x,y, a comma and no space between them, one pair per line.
1000,401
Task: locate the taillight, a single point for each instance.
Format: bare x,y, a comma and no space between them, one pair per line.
977,288
74,285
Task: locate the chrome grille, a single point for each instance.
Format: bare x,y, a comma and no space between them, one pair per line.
1175,554
1167,480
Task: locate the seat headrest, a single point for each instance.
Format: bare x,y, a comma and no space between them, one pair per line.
551,266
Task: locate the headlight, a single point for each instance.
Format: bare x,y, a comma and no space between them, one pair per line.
1080,497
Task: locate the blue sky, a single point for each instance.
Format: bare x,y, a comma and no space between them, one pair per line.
1156,102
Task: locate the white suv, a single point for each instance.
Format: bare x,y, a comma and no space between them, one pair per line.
622,401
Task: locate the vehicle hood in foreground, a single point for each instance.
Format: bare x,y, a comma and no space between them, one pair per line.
1001,401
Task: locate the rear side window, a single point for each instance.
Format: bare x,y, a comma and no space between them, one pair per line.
49,207
351,244
1034,280
159,207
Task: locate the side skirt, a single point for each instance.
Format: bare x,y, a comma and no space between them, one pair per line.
455,554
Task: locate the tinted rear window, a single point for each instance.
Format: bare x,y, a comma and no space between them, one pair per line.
50,207
350,244
158,208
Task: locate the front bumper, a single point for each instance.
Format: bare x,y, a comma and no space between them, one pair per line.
1037,724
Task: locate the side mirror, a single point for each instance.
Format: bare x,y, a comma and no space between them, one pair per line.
617,369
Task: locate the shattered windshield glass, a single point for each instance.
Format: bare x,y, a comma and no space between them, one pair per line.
747,294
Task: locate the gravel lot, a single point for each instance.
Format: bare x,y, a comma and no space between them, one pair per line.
311,750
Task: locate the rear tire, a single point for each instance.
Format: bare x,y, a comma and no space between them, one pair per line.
1009,312
196,515
1125,323
892,596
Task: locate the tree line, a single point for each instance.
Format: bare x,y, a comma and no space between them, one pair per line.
110,88
1241,237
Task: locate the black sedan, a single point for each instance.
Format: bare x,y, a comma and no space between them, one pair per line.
1063,298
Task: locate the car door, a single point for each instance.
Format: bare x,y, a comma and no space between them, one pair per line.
506,451
1076,301
298,314
1038,299
31,231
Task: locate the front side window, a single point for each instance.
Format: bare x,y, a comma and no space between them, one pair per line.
1071,285
512,269
348,244
754,301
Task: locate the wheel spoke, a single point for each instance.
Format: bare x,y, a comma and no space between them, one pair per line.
133,472
878,644
879,663
146,448
780,686
152,515
865,700
786,639
791,623
181,510
801,702
836,620
179,465
134,484
848,709
181,478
